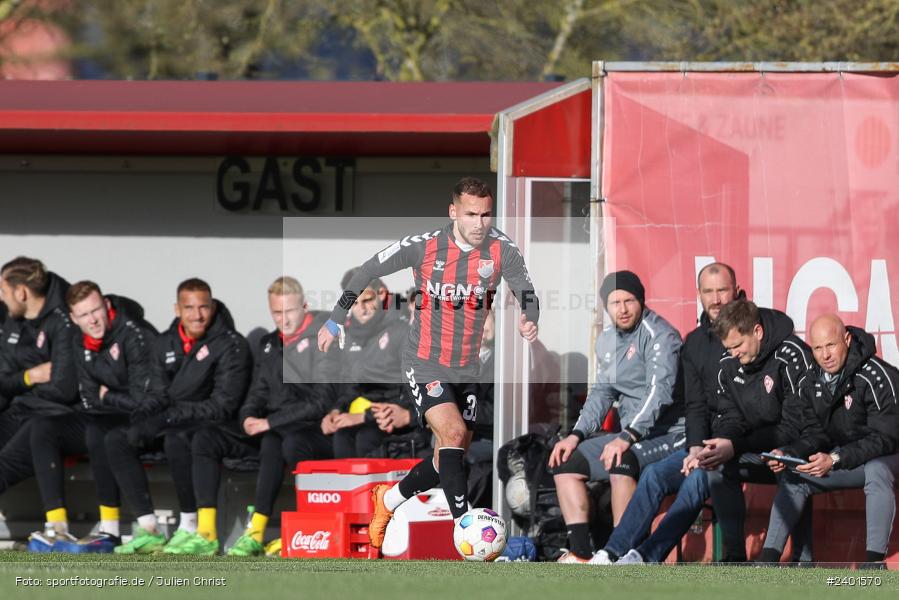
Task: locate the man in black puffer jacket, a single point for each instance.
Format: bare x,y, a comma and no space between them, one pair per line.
290,393
37,368
372,403
199,373
112,357
759,382
850,428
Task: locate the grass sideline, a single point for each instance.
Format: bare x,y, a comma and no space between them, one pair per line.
428,580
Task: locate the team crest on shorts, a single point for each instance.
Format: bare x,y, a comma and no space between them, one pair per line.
41,338
114,351
304,343
769,383
203,352
485,268
384,340
434,389
630,352
847,401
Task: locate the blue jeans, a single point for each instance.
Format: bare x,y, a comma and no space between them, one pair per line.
659,480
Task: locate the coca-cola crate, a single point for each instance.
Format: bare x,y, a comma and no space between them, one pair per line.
334,535
344,485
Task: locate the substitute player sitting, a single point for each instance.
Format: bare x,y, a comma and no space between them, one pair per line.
457,270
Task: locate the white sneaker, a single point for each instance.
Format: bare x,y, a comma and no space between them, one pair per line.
601,558
631,558
570,558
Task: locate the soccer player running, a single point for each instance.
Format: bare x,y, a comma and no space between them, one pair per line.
457,270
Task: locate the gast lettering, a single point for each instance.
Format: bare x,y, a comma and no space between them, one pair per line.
304,185
312,542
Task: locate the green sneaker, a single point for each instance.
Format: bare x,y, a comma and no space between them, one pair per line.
176,540
143,542
195,545
245,546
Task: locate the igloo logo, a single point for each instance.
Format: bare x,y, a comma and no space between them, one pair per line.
311,542
322,497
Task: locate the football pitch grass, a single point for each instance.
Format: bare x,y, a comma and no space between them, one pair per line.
25,575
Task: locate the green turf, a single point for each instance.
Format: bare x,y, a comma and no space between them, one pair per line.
389,580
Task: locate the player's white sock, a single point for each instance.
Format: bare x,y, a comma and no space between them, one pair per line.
393,498
149,523
110,527
57,526
188,522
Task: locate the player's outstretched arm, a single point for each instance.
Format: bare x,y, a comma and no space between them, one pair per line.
527,329
399,255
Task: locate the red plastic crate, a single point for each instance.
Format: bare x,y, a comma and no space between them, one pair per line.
332,535
334,506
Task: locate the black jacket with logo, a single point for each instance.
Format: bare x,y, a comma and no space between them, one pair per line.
752,398
310,394
27,343
700,356
371,361
860,420
122,364
205,386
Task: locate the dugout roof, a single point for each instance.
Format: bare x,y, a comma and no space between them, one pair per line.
240,117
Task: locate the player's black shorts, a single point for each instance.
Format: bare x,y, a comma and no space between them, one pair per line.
434,384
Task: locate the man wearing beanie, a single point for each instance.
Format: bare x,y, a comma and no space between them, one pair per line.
637,364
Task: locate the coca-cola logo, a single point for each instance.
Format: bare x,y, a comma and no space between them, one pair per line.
312,542
322,497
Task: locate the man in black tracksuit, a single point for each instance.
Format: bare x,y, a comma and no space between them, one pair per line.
199,373
850,429
280,418
112,357
371,402
759,382
37,368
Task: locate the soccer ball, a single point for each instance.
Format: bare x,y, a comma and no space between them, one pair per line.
518,495
480,535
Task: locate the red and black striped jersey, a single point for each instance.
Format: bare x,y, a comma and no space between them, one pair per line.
455,284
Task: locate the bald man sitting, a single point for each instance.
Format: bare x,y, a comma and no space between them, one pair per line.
849,430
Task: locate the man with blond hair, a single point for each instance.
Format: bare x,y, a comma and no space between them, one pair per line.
279,421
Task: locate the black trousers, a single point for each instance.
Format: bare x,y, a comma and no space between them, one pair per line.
357,442
54,438
95,438
15,450
124,459
726,488
275,449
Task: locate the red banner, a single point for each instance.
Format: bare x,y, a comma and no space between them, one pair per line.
793,179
